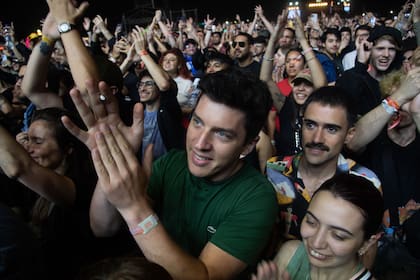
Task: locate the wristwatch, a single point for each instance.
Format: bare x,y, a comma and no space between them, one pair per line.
65,27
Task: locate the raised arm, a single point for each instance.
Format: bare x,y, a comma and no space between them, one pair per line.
166,32
267,64
34,82
259,10
161,78
371,124
104,219
81,63
317,72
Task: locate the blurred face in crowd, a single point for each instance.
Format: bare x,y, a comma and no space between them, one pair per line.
332,238
241,47
215,38
148,90
325,130
407,60
258,49
331,45
170,63
43,146
287,39
17,90
361,35
345,36
190,49
294,63
382,55
215,65
302,89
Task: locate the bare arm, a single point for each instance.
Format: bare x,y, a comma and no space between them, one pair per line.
371,124
161,78
82,65
267,64
317,72
166,32
16,163
104,219
34,82
259,10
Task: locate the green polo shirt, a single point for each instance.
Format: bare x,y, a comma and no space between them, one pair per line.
236,215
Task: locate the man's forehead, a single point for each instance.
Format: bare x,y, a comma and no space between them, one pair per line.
384,41
313,111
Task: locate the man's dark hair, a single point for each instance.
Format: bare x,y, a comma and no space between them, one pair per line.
249,37
333,31
260,40
363,27
333,96
236,89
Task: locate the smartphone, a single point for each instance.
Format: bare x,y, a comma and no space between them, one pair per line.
373,21
292,14
314,17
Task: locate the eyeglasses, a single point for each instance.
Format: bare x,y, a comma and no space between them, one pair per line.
241,44
146,84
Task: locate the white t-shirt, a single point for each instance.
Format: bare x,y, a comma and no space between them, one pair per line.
184,90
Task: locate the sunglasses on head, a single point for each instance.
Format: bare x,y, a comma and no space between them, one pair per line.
241,44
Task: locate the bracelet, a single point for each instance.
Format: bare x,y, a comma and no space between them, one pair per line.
143,52
307,51
47,40
390,106
146,225
268,59
46,46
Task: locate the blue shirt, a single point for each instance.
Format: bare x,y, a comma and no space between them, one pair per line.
152,134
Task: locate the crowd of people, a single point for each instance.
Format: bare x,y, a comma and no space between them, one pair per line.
272,149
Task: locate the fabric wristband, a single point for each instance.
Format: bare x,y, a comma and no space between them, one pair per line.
390,106
143,52
146,225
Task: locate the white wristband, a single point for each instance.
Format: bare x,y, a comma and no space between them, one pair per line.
146,225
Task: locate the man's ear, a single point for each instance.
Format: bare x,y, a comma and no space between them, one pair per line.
249,147
350,134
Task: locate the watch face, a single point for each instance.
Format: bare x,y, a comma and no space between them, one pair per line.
64,27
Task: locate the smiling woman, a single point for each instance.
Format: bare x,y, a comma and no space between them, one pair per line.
55,167
333,242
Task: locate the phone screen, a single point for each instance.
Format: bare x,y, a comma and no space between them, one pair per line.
293,14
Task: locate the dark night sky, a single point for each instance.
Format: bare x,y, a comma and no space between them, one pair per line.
26,14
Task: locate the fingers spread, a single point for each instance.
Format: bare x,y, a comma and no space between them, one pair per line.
74,129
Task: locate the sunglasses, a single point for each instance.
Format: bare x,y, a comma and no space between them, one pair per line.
241,44
146,84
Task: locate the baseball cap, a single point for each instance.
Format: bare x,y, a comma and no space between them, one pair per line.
304,74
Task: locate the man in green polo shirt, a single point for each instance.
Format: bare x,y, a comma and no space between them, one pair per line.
206,213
